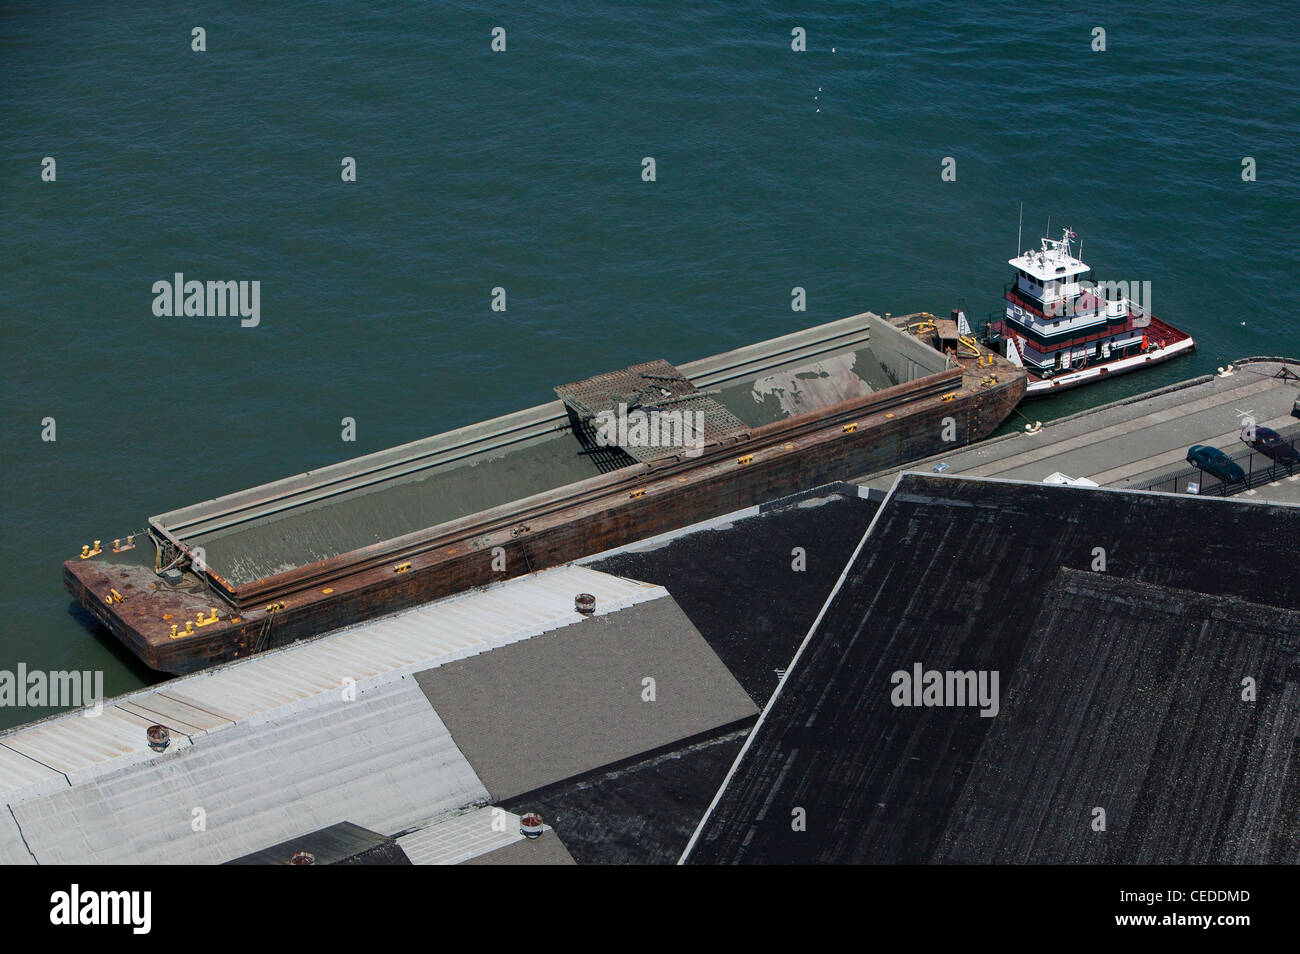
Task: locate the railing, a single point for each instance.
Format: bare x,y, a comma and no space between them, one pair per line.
1259,469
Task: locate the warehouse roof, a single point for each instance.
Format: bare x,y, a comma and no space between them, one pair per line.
1160,737
336,726
384,761
1121,690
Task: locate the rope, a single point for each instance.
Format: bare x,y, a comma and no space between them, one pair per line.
1016,410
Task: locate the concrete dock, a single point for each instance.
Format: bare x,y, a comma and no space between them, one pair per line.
1132,442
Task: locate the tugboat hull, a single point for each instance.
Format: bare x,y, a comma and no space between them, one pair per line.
1044,387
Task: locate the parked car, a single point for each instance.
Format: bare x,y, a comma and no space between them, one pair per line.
1269,443
1295,408
1215,463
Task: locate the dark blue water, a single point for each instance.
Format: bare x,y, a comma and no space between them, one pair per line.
522,170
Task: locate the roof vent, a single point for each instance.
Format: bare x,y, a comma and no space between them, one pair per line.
585,604
159,737
530,825
302,858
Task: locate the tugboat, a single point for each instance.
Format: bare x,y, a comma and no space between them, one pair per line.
1065,329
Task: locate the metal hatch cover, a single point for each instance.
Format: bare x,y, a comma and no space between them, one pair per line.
678,418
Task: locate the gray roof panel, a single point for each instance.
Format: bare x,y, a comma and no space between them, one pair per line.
571,701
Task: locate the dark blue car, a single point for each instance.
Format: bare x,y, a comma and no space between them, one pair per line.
1215,462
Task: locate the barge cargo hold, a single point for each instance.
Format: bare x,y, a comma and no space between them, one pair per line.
312,553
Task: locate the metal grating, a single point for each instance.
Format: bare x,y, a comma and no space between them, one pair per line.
657,389
639,385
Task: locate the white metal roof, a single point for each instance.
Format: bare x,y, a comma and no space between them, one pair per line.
1052,260
12,849
88,788
458,837
384,761
1059,478
79,741
379,650
21,772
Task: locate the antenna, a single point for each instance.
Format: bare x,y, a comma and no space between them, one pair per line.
1019,227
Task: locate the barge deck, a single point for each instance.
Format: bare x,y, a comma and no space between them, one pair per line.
311,553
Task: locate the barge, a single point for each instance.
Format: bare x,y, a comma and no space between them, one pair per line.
618,457
1066,330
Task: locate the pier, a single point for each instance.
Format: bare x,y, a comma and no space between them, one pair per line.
1134,442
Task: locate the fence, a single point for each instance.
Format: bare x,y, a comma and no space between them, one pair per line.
1258,468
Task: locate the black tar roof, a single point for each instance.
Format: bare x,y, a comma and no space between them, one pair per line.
1119,690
